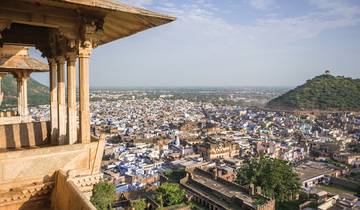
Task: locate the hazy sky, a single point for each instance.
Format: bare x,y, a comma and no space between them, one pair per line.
234,43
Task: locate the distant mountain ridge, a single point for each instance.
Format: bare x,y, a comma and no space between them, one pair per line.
324,92
38,93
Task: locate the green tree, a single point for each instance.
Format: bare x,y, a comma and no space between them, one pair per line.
139,204
169,194
175,175
104,194
275,177
324,92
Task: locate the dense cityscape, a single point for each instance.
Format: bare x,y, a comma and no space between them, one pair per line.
157,135
226,105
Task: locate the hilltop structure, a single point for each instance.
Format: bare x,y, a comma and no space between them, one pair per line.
324,93
53,165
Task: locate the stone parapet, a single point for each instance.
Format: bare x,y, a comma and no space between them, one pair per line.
29,176
7,113
14,119
23,135
70,192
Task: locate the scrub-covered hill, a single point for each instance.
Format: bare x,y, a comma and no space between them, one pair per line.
324,92
37,93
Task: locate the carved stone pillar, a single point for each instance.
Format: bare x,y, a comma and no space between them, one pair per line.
53,101
84,56
71,98
61,100
21,79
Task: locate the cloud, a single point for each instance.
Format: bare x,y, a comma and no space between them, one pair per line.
205,47
195,18
261,4
328,14
336,7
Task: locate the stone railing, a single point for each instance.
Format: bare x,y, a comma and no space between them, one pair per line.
15,120
8,113
24,135
67,193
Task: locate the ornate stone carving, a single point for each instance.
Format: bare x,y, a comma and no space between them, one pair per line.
49,49
34,191
60,59
20,75
91,31
84,182
85,52
71,57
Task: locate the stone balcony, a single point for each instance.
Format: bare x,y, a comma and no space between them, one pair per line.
53,165
37,175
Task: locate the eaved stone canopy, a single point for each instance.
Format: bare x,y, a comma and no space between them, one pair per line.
16,61
17,58
53,165
39,22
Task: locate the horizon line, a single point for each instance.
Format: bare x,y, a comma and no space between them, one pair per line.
184,86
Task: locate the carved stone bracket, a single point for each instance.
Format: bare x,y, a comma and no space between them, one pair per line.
61,45
51,61
49,49
85,50
91,30
58,46
60,59
71,52
20,75
71,57
61,42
